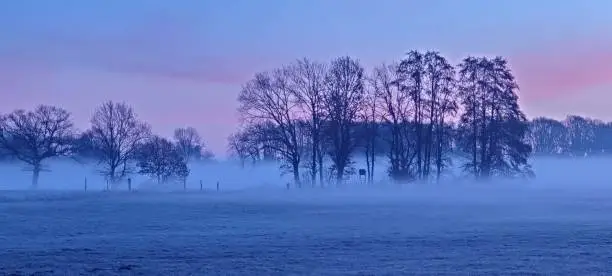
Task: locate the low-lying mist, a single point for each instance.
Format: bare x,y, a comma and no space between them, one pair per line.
554,224
574,175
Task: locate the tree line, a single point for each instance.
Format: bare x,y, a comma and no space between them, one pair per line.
117,140
421,114
573,136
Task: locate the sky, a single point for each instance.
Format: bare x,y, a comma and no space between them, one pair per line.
182,63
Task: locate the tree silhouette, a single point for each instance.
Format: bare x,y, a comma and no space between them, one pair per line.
494,128
269,105
116,134
160,159
341,104
34,136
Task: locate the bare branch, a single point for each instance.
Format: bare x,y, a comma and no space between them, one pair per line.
35,136
116,133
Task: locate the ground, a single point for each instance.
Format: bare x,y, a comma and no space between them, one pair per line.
485,231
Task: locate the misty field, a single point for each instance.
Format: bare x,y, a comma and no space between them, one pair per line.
410,230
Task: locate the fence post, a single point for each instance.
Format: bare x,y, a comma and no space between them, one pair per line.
129,184
86,183
201,186
185,184
217,186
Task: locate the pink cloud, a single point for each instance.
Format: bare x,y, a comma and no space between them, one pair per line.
563,69
167,49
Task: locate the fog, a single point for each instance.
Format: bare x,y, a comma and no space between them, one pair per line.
554,176
555,224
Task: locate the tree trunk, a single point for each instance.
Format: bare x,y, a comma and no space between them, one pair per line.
315,145
339,176
321,177
296,174
373,159
367,154
35,176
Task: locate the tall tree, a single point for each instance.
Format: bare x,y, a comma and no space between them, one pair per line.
370,116
494,126
342,102
441,100
411,73
35,136
396,111
116,134
267,100
307,83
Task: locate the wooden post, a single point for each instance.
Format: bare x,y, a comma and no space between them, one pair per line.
201,186
185,184
129,184
217,186
86,184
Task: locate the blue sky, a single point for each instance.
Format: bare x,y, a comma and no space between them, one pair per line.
182,62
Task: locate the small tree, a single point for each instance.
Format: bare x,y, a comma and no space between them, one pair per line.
158,158
190,144
34,136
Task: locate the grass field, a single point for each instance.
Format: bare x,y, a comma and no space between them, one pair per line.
390,231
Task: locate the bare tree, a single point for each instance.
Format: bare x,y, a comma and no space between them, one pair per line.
441,105
237,147
580,134
116,134
396,111
159,158
370,116
549,136
411,71
190,144
342,102
267,101
307,83
34,136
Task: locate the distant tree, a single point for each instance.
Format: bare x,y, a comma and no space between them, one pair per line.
341,104
581,134
84,148
548,136
267,104
493,126
116,134
35,136
160,159
236,147
603,137
190,144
